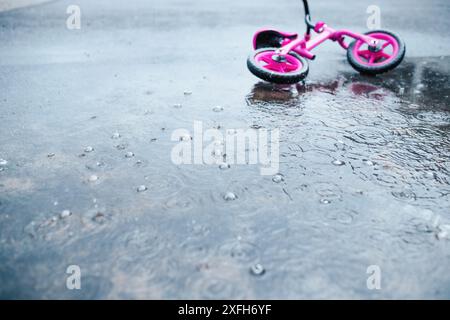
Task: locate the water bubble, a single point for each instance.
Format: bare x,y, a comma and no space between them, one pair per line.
368,162
177,105
325,201
257,270
185,137
88,149
338,162
99,217
224,166
230,196
217,108
443,232
129,154
141,188
93,178
278,178
3,162
65,213
115,135
121,146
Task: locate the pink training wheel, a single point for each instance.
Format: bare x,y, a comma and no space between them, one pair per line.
388,54
269,65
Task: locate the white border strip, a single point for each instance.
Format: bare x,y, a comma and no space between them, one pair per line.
6,5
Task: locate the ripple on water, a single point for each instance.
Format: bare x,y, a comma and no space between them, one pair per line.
435,118
163,187
370,136
215,287
327,190
404,195
240,251
219,280
148,244
345,217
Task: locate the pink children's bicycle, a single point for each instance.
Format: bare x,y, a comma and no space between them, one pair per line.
279,57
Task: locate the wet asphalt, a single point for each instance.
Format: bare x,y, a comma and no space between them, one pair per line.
86,176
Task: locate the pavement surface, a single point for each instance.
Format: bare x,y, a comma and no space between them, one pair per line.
86,121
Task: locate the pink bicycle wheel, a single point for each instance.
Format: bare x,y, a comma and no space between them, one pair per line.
267,64
388,55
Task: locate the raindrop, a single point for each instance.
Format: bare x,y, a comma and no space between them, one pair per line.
278,178
99,217
93,178
224,166
230,196
88,149
217,108
443,232
338,162
3,162
185,137
121,146
129,154
442,235
217,152
115,135
257,270
65,213
141,188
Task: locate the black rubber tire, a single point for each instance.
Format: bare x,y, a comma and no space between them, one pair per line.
277,77
372,70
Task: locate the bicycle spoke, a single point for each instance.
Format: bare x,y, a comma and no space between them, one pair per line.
386,44
364,53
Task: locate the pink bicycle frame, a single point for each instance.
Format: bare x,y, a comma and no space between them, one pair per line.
303,46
